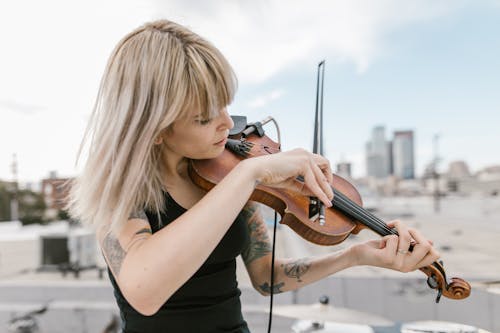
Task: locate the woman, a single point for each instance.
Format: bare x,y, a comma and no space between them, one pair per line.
170,247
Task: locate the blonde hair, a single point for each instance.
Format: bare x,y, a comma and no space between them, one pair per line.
157,74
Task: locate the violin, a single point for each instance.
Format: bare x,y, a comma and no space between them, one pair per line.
346,216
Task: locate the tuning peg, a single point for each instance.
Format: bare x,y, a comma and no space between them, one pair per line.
438,297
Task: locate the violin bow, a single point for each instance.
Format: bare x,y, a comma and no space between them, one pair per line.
316,207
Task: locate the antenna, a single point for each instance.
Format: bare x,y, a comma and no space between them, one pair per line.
14,205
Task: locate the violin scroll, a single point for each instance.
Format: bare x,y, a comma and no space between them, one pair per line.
457,288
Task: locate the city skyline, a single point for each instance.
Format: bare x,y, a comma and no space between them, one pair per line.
390,159
431,67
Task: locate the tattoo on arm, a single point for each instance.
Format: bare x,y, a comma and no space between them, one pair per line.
296,269
259,244
265,287
114,253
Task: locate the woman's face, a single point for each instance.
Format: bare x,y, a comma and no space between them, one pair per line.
198,138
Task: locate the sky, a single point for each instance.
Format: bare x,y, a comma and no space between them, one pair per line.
431,66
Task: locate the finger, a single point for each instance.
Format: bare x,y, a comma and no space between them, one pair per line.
431,257
325,167
413,242
312,184
322,181
391,243
417,255
417,235
404,240
389,256
382,243
421,248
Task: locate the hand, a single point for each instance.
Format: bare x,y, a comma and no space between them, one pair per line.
392,251
281,169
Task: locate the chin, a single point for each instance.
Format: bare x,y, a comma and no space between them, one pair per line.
209,154
218,152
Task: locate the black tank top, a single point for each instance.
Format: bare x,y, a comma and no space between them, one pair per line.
208,302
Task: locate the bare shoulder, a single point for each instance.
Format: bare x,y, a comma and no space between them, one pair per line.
115,247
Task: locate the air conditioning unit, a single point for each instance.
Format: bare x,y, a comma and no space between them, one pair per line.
54,250
74,248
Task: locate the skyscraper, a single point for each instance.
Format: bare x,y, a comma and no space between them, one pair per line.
403,154
344,169
378,154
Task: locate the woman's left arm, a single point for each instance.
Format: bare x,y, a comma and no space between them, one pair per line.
290,274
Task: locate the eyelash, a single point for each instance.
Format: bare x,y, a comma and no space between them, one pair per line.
204,121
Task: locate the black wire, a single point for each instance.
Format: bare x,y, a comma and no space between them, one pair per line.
272,274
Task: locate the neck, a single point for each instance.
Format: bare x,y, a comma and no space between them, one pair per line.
175,167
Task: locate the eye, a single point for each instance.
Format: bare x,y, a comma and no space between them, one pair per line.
204,121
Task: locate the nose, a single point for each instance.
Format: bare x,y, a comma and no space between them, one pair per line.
226,120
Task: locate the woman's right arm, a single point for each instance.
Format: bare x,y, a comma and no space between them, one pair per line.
149,268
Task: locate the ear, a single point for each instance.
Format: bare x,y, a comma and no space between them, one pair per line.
158,140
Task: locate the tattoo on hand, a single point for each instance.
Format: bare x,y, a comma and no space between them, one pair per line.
296,269
259,244
114,253
276,288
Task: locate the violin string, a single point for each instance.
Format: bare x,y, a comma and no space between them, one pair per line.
369,218
362,214
357,212
365,214
351,208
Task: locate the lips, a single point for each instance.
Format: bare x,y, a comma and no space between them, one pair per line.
223,138
219,142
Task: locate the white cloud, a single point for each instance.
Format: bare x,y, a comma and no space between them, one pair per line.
264,37
19,106
264,100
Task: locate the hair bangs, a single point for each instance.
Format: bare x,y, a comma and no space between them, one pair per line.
211,83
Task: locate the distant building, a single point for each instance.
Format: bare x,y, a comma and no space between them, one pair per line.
458,170
403,155
458,174
344,169
378,154
485,181
491,173
55,192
